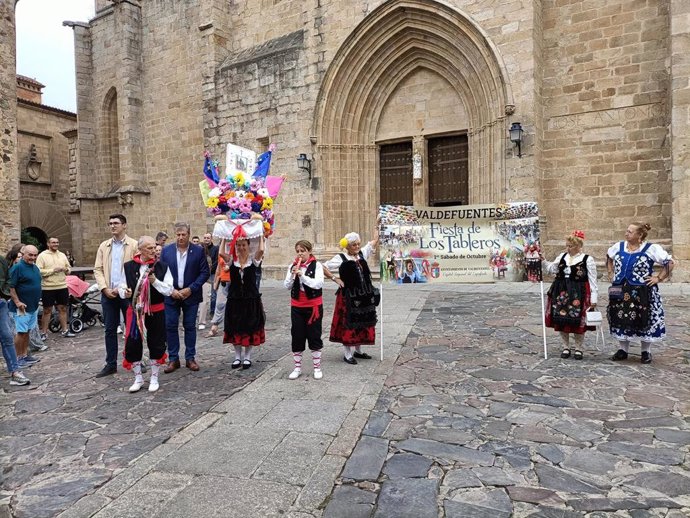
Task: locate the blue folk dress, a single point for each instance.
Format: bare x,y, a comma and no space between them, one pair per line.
639,312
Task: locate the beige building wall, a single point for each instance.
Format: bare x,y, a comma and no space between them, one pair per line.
43,166
607,151
588,81
9,180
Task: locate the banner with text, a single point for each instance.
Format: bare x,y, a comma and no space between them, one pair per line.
467,243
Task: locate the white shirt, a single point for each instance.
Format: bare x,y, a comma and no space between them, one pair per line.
334,264
181,265
117,272
571,260
164,287
655,252
315,283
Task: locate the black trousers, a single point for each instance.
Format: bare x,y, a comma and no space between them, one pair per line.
155,334
302,331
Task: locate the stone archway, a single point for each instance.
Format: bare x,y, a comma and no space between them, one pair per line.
395,40
48,218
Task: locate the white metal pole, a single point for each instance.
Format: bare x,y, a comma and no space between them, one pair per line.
543,318
381,312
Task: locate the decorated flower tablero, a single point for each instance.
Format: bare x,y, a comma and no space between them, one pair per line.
242,203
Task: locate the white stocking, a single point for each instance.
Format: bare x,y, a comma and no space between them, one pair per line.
238,352
136,367
348,351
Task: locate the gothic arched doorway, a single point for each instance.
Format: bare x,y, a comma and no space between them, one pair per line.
395,42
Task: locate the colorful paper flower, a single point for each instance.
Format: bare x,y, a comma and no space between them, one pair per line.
267,204
238,179
255,185
263,192
233,203
245,206
215,192
212,203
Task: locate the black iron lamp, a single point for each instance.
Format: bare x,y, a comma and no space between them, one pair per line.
304,164
516,132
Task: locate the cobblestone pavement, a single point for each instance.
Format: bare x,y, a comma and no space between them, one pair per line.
68,432
473,422
463,418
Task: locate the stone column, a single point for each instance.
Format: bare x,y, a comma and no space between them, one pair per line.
9,177
130,108
680,133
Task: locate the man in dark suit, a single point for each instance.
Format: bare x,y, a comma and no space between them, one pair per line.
190,271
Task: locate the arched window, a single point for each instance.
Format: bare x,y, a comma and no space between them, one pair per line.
110,144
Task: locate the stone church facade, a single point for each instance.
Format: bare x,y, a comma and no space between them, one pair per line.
600,89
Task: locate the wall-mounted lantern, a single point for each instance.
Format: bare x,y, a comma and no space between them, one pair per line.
516,132
304,164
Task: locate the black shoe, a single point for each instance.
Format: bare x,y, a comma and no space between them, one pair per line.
363,356
246,364
107,371
620,355
236,364
351,361
578,355
646,357
565,353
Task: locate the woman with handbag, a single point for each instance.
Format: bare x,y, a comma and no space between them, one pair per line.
635,307
572,294
354,315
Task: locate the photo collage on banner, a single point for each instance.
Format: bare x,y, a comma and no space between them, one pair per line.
466,243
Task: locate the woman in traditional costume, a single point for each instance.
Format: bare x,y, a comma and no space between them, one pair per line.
354,316
304,279
244,311
635,307
148,282
572,294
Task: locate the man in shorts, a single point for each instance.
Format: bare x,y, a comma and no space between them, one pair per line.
25,291
54,267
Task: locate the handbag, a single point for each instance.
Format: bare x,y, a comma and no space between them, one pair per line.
616,293
593,318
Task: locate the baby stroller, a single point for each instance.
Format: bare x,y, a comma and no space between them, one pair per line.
79,311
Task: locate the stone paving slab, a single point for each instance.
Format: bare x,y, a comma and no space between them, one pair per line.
69,433
288,437
511,434
462,368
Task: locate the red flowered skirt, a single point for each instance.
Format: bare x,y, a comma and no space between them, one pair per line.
245,339
569,303
341,334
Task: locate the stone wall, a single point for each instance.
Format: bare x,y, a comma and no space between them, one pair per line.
607,154
269,86
605,136
45,191
42,127
149,56
9,181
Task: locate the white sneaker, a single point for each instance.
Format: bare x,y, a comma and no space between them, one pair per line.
119,330
202,327
295,374
318,374
138,383
153,384
18,379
